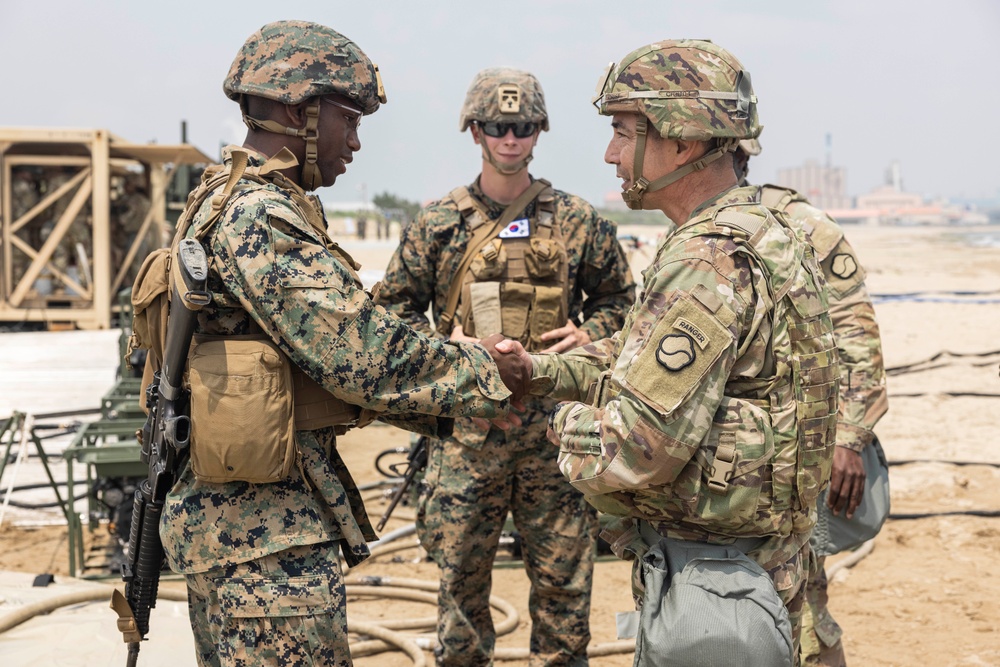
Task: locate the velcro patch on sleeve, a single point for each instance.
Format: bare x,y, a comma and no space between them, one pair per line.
684,346
842,270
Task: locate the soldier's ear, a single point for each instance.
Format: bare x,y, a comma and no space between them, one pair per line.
688,151
475,134
295,114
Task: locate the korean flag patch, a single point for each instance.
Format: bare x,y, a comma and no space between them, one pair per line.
519,229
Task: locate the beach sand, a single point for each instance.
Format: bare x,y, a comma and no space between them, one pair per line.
928,593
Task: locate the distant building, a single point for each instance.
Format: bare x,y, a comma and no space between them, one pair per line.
613,201
888,199
824,186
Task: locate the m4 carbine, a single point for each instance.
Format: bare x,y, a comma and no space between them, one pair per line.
164,443
416,461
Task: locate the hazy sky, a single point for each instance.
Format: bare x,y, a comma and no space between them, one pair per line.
909,80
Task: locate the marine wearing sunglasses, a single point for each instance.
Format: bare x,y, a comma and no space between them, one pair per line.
496,130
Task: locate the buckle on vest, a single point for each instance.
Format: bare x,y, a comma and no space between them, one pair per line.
726,458
490,252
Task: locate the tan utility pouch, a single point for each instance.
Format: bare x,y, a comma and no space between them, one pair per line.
242,414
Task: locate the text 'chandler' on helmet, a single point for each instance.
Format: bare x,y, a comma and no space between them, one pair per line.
504,95
292,61
689,89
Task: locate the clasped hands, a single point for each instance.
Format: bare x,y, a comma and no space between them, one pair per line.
514,364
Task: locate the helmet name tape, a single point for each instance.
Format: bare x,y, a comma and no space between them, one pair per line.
509,98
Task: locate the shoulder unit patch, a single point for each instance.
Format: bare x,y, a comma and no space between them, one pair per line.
676,352
843,265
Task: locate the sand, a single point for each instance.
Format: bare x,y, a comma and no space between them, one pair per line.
928,593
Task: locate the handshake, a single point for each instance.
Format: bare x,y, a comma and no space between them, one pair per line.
514,364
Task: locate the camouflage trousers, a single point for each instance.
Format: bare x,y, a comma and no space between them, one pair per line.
465,499
821,635
287,608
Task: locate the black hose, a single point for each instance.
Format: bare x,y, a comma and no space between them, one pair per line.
906,516
388,471
918,366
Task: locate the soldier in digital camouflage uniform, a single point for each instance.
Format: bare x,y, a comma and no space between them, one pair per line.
710,417
863,398
261,560
554,278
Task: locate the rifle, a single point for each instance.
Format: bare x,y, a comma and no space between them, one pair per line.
416,461
164,441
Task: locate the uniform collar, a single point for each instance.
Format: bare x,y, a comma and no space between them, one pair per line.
735,195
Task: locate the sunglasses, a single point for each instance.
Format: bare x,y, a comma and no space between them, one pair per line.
354,120
497,130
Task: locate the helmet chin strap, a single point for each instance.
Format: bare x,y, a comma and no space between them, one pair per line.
311,176
505,169
640,185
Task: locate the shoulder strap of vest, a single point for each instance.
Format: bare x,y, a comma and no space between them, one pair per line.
747,223
776,197
471,210
546,206
227,176
480,236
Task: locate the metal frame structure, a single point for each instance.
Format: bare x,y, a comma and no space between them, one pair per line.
94,155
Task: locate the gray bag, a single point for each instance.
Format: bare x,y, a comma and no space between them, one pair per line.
835,533
709,606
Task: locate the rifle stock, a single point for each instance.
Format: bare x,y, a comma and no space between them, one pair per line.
164,442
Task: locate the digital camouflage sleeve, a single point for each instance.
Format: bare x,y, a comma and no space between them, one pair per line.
304,297
270,269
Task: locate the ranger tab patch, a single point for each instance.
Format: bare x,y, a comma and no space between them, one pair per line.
690,329
676,352
519,229
843,265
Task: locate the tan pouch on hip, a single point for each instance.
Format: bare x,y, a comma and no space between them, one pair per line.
242,417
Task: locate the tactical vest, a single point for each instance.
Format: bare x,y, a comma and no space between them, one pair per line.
769,450
841,268
314,406
518,285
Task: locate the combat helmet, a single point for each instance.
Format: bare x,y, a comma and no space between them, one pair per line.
504,95
686,89
294,61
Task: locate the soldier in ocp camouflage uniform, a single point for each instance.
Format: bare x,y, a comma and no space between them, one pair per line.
261,559
710,417
552,275
863,398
